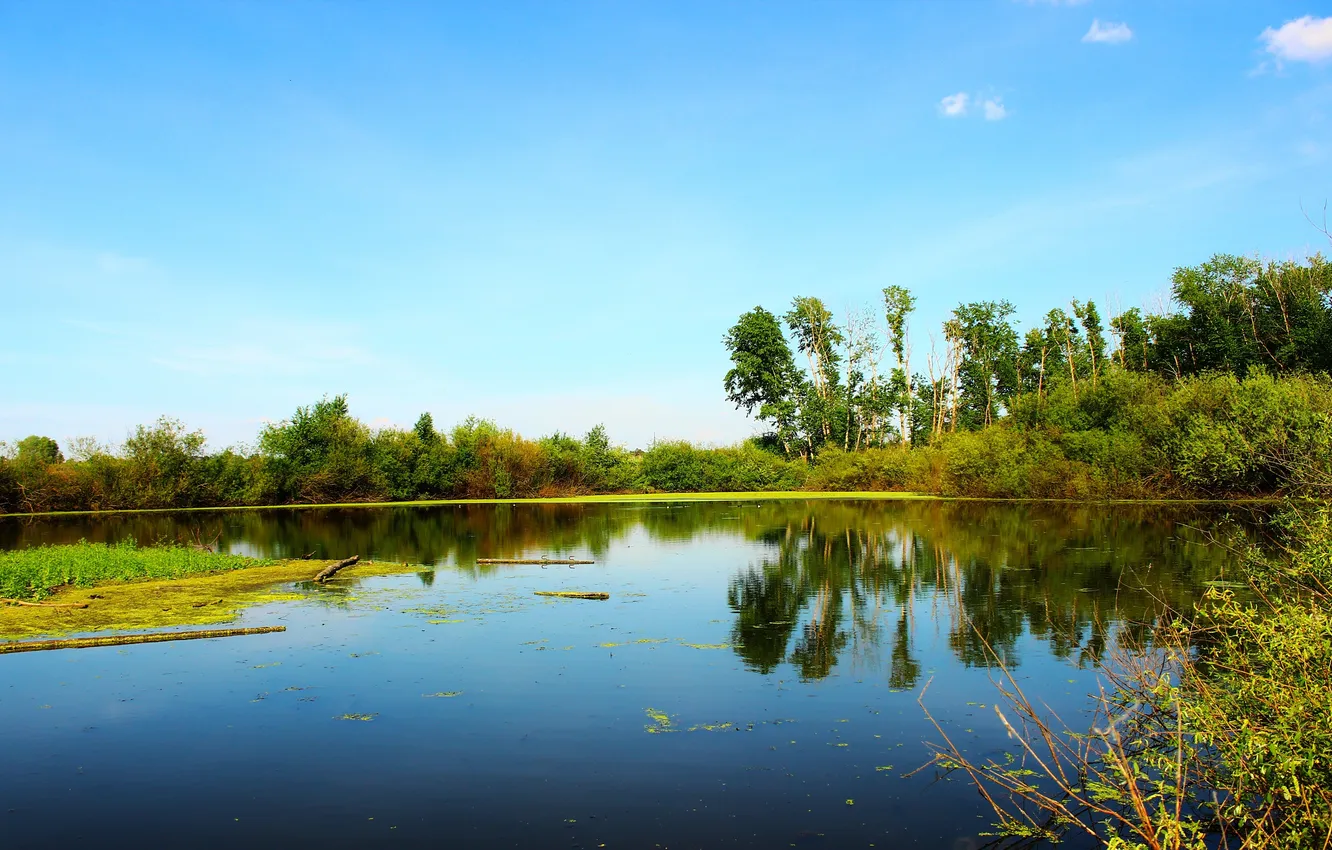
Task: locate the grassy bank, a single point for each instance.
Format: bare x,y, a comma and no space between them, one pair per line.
32,574
129,587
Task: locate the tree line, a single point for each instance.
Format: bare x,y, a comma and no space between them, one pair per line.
856,387
1226,394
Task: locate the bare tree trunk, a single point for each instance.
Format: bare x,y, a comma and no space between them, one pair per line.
1040,377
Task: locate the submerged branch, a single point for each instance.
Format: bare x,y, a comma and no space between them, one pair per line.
122,640
541,561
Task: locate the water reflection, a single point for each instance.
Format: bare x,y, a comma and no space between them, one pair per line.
826,581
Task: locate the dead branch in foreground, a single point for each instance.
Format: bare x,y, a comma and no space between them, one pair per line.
332,569
541,561
123,640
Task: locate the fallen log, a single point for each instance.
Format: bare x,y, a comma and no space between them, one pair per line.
44,604
123,640
541,561
572,594
332,569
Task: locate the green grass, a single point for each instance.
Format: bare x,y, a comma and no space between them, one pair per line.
30,574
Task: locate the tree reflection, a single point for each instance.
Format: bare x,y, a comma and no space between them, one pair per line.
838,582
839,573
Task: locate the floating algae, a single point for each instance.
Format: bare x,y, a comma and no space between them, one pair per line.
364,718
196,600
713,727
444,694
662,722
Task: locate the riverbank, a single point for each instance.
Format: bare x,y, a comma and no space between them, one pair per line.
204,598
629,498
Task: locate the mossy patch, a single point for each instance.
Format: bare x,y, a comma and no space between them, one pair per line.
204,599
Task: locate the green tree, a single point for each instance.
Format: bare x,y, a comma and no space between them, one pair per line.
162,466
425,429
1090,319
898,304
818,338
763,375
987,372
1131,331
38,450
321,454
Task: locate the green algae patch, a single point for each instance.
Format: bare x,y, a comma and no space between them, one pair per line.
714,727
443,695
661,722
196,600
364,718
706,645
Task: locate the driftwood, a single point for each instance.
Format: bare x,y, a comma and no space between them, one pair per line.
122,640
572,594
44,604
542,561
332,569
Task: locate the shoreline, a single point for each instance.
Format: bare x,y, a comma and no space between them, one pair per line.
629,498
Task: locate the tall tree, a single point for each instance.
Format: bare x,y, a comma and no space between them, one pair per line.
1131,334
818,338
987,370
1062,336
898,303
1090,320
763,376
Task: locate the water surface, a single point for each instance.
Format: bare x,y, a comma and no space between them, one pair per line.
752,682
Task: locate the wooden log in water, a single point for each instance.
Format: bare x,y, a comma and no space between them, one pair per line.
44,604
332,569
572,594
541,561
123,640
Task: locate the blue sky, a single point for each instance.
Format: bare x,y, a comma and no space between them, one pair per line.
549,213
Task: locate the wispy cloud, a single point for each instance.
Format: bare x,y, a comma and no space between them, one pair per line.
1306,39
955,105
1107,33
962,104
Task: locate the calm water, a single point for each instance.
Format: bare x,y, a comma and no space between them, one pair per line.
751,683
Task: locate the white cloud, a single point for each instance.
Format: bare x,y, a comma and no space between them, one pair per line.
1107,33
1306,39
994,110
955,105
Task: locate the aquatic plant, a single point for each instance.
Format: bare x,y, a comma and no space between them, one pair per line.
33,573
